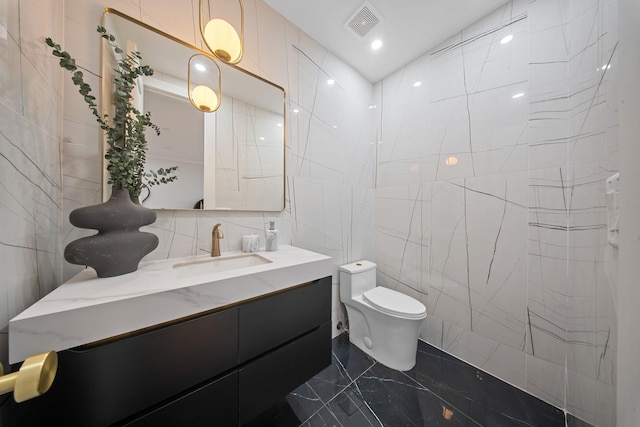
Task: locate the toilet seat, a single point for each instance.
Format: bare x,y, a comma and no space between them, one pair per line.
395,303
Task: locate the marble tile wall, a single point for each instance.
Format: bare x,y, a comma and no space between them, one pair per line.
30,171
248,174
329,137
508,247
592,155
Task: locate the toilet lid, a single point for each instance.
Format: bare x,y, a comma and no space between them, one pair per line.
395,303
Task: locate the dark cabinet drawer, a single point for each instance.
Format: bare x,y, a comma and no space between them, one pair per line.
214,404
100,385
267,379
269,322
222,368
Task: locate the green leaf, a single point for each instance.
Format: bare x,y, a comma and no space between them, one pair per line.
125,128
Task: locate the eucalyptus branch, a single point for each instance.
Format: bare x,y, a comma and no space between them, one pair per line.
125,131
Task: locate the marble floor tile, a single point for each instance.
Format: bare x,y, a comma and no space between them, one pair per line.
488,397
348,364
440,390
575,422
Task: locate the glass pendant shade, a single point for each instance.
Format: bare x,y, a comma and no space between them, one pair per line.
204,83
204,98
221,37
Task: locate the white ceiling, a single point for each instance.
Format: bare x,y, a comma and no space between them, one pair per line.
407,28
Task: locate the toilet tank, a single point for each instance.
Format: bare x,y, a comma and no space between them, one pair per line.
356,278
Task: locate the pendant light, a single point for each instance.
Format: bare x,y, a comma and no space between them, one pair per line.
221,37
204,83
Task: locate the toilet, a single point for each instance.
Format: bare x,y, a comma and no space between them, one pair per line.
382,322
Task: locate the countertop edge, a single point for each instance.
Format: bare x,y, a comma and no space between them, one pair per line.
67,329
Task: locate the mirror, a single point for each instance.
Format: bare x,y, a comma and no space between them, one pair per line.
231,159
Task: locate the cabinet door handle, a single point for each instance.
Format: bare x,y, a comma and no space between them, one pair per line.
33,379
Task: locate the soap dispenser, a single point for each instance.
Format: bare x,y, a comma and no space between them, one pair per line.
271,238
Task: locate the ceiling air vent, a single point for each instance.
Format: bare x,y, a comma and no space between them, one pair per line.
363,19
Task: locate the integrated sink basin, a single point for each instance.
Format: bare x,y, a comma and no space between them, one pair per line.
218,264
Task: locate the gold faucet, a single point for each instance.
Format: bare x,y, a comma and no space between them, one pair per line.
216,235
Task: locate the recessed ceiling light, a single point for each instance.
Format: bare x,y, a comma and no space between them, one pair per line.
330,81
279,125
372,107
416,84
262,138
335,126
506,39
518,95
295,110
376,44
200,67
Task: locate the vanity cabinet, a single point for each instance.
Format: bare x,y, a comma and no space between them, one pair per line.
219,368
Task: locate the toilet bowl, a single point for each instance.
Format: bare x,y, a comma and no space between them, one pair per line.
382,322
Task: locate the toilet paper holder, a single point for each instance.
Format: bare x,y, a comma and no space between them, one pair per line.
613,209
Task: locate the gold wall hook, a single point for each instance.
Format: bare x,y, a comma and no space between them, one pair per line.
34,377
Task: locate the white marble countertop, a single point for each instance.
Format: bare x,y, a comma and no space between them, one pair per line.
86,308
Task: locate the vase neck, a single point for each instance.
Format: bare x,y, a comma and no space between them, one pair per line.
121,193
117,193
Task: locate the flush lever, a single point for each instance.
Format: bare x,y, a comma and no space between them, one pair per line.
33,379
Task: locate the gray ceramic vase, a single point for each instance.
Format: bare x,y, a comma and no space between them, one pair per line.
119,245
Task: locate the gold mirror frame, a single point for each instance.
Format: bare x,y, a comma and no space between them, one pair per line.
230,76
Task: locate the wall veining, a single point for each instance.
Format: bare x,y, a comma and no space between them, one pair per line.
508,247
30,165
